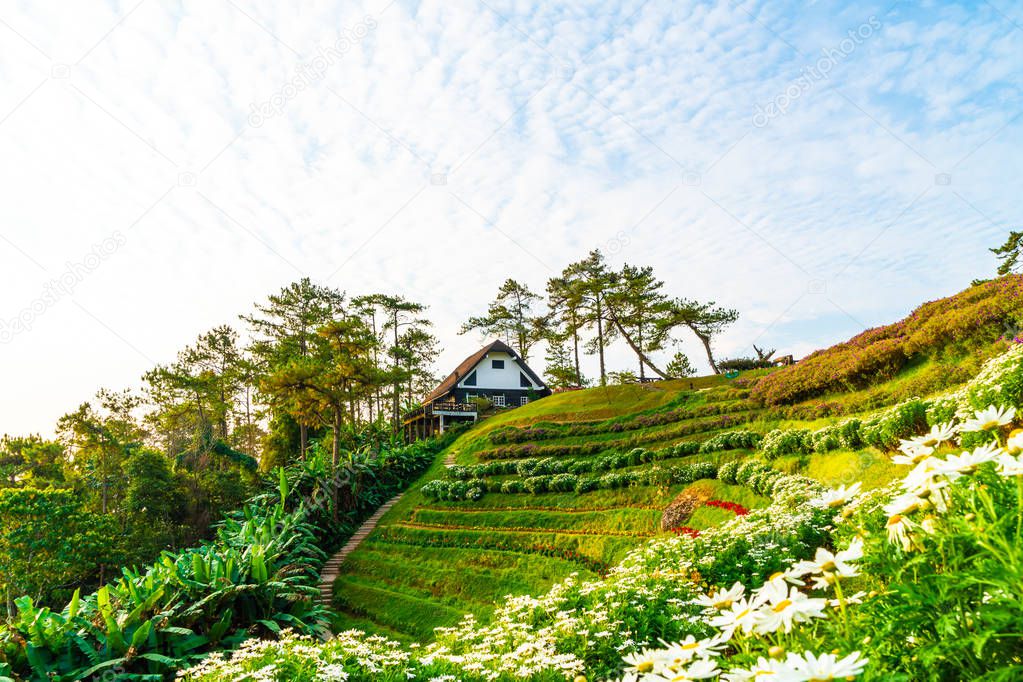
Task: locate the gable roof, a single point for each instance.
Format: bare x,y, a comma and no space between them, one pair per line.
467,365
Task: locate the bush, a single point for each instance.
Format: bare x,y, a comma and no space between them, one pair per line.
731,440
563,483
726,472
511,487
743,364
786,442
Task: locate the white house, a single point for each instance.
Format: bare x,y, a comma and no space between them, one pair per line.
495,372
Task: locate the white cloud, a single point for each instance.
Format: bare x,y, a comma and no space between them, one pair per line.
559,128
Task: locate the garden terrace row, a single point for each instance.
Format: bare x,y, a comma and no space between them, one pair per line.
552,430
533,466
465,580
682,430
453,491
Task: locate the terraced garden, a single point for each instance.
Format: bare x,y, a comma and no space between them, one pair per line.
520,501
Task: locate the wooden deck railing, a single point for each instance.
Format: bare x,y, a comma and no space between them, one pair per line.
429,409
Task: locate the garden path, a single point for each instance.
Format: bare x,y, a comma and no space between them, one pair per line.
333,566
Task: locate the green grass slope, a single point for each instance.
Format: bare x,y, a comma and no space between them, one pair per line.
434,558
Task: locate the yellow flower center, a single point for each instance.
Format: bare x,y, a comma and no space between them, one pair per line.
691,646
775,576
782,605
645,666
828,566
895,520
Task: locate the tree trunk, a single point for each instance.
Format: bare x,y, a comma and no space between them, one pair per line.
336,459
642,373
575,342
705,340
397,381
303,439
600,342
639,353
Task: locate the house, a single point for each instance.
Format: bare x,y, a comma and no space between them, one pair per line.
495,372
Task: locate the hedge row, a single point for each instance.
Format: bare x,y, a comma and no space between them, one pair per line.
522,451
767,481
883,431
550,430
456,491
535,466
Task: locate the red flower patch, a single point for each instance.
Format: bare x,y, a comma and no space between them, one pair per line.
733,507
685,530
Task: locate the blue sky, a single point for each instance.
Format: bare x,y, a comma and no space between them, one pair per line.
820,166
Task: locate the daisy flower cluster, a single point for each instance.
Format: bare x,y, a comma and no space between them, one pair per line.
779,605
924,492
294,656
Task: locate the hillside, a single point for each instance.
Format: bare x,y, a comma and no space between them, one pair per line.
572,483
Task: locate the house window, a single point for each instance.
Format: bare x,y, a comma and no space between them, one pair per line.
524,380
523,400
471,379
497,364
498,400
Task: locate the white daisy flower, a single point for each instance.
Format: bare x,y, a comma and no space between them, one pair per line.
703,669
780,580
1009,465
765,669
899,530
990,418
808,667
720,599
783,609
644,661
966,463
903,505
827,566
739,616
1015,442
681,653
912,453
939,433
838,497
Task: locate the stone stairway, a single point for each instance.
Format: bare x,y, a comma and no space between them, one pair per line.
332,568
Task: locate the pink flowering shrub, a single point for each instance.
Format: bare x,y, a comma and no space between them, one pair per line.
973,319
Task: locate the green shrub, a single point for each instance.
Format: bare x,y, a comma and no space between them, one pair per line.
727,471
786,442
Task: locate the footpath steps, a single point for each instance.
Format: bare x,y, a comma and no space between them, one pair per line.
332,568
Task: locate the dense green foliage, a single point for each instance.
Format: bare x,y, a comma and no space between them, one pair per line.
258,575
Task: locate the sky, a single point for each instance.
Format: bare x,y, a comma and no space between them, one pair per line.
822,167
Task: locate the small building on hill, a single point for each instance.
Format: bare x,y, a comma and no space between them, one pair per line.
495,372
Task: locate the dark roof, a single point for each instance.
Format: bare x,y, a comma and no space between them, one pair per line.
466,366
